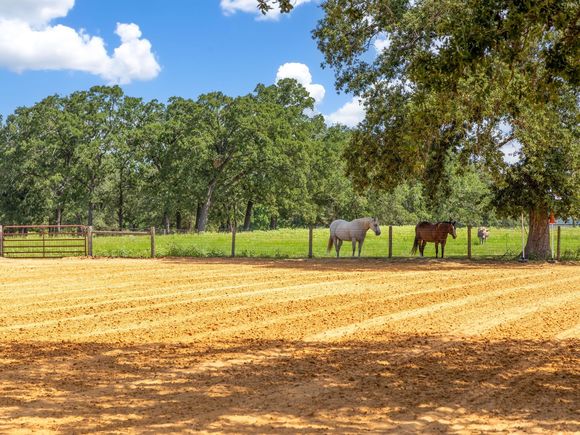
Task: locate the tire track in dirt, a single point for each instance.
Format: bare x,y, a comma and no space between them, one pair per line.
110,298
573,332
440,292
109,281
259,275
544,323
531,307
148,306
77,273
306,315
160,288
381,321
489,314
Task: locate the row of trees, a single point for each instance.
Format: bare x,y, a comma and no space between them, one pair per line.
264,159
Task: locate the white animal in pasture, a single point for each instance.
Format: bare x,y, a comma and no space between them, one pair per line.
355,231
482,234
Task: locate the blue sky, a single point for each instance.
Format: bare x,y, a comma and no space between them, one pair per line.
164,48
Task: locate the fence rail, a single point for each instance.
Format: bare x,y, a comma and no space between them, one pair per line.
52,241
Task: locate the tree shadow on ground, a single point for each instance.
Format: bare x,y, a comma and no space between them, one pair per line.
393,384
364,264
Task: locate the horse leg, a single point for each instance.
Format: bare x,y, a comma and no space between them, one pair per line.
442,249
436,249
422,244
353,246
338,245
360,243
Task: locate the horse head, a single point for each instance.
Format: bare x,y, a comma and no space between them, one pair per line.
374,225
452,229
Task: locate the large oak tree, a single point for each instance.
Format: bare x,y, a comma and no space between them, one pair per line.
456,78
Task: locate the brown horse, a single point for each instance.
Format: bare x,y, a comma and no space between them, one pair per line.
428,232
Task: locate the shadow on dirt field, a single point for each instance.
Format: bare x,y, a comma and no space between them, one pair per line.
396,384
367,264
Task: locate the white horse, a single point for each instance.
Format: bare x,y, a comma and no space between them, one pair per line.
482,234
354,231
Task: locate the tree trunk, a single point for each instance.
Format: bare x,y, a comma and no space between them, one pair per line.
121,201
178,220
166,222
90,214
203,215
204,212
197,216
273,223
248,217
538,244
58,218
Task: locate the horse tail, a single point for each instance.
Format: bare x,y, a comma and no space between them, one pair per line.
330,243
415,245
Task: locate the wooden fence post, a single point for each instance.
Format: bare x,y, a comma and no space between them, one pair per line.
390,241
152,233
557,243
234,240
310,236
1,242
469,242
90,240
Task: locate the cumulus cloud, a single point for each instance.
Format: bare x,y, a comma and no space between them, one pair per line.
230,7
301,73
350,114
34,12
29,42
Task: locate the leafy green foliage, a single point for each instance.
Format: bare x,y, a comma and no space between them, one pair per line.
102,157
463,78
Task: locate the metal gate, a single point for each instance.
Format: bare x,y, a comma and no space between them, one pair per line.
43,241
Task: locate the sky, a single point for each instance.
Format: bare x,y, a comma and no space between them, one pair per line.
156,49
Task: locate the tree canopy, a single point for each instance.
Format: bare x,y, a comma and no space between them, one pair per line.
106,159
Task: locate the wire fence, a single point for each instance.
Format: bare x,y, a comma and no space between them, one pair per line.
394,242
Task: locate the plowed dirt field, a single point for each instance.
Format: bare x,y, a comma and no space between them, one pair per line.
288,346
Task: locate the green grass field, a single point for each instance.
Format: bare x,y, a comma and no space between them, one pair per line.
293,243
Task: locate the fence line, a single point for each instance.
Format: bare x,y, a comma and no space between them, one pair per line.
285,243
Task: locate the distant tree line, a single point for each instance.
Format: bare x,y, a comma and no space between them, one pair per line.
262,160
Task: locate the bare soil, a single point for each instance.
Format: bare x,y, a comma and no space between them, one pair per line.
293,346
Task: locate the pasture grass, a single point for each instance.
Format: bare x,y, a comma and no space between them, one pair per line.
293,243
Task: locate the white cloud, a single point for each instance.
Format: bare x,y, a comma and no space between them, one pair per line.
350,114
29,42
230,7
34,12
381,43
301,73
